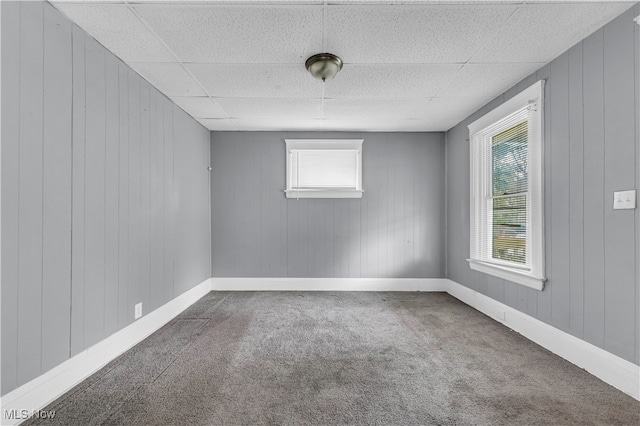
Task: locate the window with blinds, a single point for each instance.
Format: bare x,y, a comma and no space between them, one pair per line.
509,194
506,223
324,168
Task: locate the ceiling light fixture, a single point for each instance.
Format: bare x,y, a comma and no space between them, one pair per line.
324,66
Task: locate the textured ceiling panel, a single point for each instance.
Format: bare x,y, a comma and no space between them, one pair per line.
409,65
220,124
540,32
170,79
271,108
428,34
364,124
375,108
245,81
272,124
391,81
199,107
119,30
270,35
485,80
450,111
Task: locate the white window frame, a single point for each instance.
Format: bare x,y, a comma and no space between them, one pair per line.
293,145
480,133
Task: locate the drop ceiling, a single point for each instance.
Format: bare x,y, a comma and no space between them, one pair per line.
408,65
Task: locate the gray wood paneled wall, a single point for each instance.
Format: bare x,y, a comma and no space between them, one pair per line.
105,193
592,148
395,230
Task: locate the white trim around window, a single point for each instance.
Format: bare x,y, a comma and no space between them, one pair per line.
520,256
324,168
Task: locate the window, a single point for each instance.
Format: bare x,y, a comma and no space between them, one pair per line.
507,235
324,168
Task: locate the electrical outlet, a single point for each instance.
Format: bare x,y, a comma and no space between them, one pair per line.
624,200
138,310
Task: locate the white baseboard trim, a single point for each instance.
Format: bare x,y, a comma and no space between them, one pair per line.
609,368
329,284
36,394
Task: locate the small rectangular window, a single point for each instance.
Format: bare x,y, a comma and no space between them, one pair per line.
324,168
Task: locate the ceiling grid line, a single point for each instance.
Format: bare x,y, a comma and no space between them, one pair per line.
177,58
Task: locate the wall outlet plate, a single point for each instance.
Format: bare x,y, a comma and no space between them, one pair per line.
138,310
624,199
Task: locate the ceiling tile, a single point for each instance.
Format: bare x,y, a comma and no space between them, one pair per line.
237,34
170,79
540,32
375,108
486,80
276,124
277,81
447,112
199,106
390,81
364,124
271,108
118,29
408,34
219,124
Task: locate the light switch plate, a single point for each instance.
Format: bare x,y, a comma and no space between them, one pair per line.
138,310
624,199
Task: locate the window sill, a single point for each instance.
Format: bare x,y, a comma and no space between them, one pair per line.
517,276
323,193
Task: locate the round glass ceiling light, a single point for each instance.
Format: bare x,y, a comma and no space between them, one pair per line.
324,66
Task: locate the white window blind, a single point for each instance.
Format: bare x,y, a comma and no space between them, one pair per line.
506,223
324,168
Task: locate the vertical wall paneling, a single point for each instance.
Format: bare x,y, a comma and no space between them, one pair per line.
576,193
169,202
619,164
124,315
220,184
419,207
95,183
354,238
112,172
272,225
156,165
92,209
30,187
57,168
192,186
10,192
395,230
558,146
637,224
145,182
78,192
594,197
135,215
591,150
372,184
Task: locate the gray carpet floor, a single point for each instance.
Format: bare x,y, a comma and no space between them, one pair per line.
326,358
